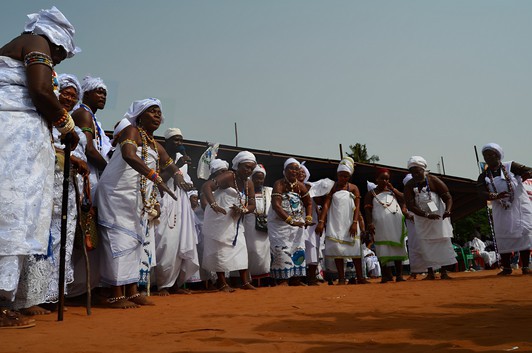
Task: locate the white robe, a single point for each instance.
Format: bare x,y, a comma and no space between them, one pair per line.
512,226
415,253
434,235
258,243
176,238
123,225
224,240
338,241
27,176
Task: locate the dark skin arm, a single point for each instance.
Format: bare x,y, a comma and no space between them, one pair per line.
83,119
278,187
129,154
368,211
323,215
435,185
223,181
354,189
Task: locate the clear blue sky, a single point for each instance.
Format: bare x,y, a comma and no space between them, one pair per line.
431,78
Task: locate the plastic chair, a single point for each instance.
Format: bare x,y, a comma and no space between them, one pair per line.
464,258
479,261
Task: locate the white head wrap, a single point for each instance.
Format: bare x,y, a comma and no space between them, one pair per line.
218,164
171,132
67,80
321,187
371,185
121,126
307,172
417,161
407,178
243,157
259,169
92,83
53,25
291,161
346,165
138,107
494,147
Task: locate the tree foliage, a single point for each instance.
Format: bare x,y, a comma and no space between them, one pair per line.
359,153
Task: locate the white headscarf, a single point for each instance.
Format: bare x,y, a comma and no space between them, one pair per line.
67,80
138,107
243,157
407,178
494,147
192,192
291,161
371,185
92,83
259,169
53,25
417,161
217,164
346,165
307,172
121,126
171,132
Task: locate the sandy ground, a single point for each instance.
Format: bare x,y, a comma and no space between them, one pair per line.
475,312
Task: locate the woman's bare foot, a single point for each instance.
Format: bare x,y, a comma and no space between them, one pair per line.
140,299
120,303
13,319
429,277
34,310
163,292
182,291
226,288
247,286
445,276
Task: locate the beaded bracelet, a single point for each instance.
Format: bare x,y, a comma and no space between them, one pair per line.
61,121
288,220
67,127
168,162
87,129
152,175
213,204
179,172
130,142
36,57
308,219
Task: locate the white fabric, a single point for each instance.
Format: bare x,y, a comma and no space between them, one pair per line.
121,126
67,80
417,161
494,147
321,187
434,234
312,241
489,257
243,157
218,164
371,263
290,161
338,241
53,25
513,226
259,169
220,231
370,186
90,83
415,253
176,239
171,132
287,243
138,107
257,242
307,172
204,163
346,165
122,224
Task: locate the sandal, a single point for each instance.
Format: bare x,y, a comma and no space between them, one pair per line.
12,319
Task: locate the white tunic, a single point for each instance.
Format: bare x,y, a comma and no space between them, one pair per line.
224,241
338,241
513,226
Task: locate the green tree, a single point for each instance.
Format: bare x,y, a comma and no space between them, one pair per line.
359,153
463,228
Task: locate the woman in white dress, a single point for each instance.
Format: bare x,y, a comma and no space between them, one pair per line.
230,196
512,208
384,214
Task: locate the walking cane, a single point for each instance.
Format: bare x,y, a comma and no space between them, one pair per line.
64,215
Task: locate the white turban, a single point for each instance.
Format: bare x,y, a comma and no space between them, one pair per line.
92,83
417,161
346,165
192,192
407,178
307,172
53,25
371,185
259,169
138,107
67,80
121,126
243,157
171,132
494,147
217,164
291,161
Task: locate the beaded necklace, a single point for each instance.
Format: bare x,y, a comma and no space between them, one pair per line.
148,202
292,185
242,195
505,204
386,205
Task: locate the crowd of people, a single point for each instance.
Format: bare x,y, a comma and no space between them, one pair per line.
152,230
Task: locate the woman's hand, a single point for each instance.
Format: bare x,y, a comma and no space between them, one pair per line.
80,165
319,228
163,188
217,209
371,229
238,211
353,230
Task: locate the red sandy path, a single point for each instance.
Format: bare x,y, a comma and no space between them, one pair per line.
476,312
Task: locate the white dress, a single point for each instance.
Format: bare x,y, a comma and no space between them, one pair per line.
390,231
124,227
513,226
27,176
434,235
258,243
224,248
338,241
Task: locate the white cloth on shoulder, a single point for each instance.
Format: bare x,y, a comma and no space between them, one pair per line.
338,241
